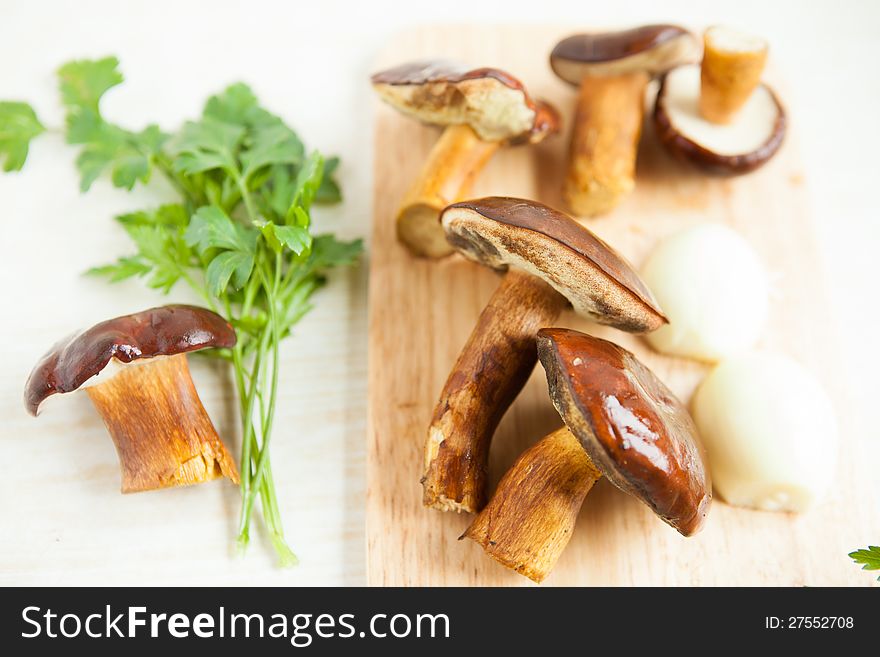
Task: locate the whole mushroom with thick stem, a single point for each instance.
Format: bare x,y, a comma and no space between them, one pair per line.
481,109
719,116
621,422
135,371
612,71
550,261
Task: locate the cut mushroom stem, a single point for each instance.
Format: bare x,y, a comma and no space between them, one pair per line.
532,515
162,433
564,262
604,142
453,164
731,70
491,370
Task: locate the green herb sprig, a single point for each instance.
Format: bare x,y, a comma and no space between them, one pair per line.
869,558
239,235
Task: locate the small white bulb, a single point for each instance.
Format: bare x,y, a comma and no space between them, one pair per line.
712,287
769,431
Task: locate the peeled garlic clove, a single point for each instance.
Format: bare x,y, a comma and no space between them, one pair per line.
769,430
712,287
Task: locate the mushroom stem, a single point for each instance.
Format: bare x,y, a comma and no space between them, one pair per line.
531,517
604,143
730,72
162,433
453,163
490,371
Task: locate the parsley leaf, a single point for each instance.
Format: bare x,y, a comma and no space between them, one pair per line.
123,268
870,558
18,125
127,155
328,252
210,227
207,144
328,191
84,82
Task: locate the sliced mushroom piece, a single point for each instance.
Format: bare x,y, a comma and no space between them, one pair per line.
135,371
612,70
482,109
632,429
718,115
552,259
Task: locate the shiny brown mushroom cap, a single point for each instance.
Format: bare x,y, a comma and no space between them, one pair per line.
633,428
651,49
503,232
163,331
491,101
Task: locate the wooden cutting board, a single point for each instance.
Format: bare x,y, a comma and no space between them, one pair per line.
422,311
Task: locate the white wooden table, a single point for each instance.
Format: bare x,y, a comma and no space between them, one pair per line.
61,518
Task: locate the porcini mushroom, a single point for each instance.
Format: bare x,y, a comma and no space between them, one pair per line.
552,260
632,430
718,115
612,70
135,371
481,110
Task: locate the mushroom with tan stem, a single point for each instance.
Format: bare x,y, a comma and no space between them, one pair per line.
550,261
482,109
612,71
719,116
135,371
621,422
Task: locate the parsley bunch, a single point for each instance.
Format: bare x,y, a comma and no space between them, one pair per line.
239,234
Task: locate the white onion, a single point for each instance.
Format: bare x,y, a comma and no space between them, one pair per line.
769,431
712,287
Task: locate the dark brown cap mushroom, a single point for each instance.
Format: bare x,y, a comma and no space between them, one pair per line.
651,49
134,369
612,70
491,101
632,427
481,109
621,421
502,232
718,115
544,251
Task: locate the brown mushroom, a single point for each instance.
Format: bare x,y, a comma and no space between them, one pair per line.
135,371
632,429
612,70
718,115
482,109
551,259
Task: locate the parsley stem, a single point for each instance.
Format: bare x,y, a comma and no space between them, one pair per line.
248,437
267,421
246,196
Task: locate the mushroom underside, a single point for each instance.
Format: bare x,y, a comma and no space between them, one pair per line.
747,142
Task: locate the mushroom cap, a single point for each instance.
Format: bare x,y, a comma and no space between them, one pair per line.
163,331
749,141
491,101
501,232
651,49
632,427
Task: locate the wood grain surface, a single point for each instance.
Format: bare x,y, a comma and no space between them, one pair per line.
421,313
